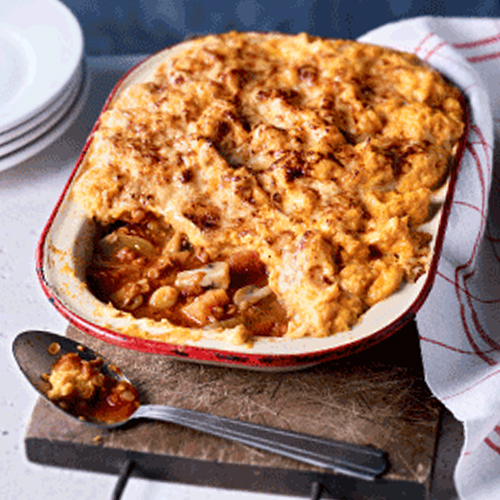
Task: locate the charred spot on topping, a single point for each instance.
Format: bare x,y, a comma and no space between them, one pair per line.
236,78
308,235
203,216
185,244
289,96
236,165
374,252
262,95
178,79
213,55
307,73
365,90
153,154
186,175
233,116
294,170
223,128
349,137
243,187
154,87
277,197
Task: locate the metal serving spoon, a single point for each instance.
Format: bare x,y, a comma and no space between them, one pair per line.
31,350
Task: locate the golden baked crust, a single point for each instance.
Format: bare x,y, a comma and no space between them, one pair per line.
321,156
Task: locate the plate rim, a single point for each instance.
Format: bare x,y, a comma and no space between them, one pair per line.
52,134
48,119
13,133
47,86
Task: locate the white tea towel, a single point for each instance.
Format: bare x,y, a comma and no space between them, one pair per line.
459,324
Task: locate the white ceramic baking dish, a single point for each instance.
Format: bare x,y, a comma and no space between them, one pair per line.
66,244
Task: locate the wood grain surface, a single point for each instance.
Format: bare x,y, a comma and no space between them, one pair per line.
378,397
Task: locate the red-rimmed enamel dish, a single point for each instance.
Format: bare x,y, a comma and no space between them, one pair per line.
66,244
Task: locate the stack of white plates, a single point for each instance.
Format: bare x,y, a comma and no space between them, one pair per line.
42,76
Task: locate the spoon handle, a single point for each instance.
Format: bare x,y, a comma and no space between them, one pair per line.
359,461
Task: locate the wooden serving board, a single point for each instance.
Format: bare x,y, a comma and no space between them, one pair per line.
378,397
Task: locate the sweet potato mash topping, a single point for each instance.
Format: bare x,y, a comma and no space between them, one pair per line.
312,161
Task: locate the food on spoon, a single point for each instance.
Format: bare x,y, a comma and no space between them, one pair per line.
267,185
83,389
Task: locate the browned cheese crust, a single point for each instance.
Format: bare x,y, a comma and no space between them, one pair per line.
320,155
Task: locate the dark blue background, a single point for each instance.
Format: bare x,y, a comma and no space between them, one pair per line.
145,26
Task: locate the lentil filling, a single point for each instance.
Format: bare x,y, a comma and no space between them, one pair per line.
146,268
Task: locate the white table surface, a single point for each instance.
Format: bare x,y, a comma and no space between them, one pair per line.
28,193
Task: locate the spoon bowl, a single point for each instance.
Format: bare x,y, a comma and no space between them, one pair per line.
37,351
